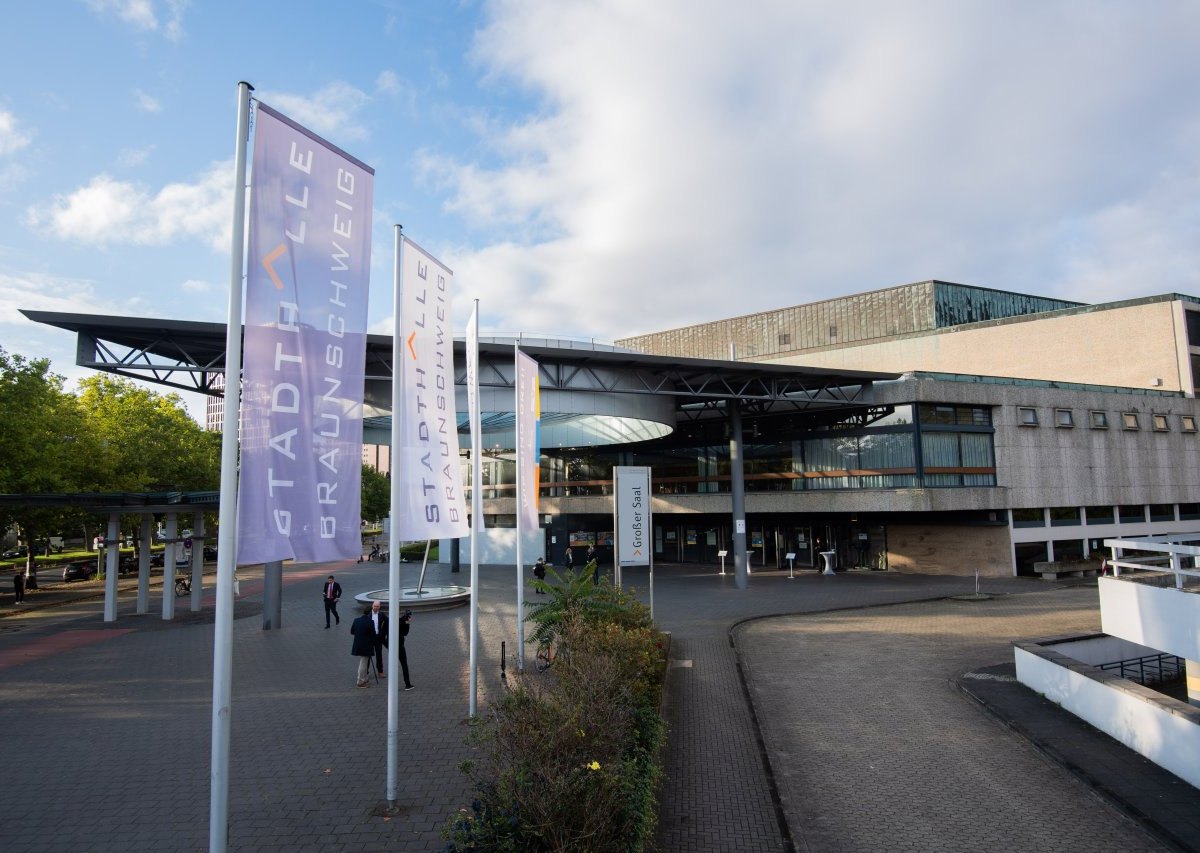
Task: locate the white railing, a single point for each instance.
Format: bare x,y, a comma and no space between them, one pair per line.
1168,554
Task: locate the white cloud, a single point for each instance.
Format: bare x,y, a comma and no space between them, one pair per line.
144,14
39,292
330,111
146,102
132,157
108,211
12,137
805,151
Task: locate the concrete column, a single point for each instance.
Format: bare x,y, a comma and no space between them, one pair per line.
110,568
197,561
168,587
737,486
273,595
1193,682
147,533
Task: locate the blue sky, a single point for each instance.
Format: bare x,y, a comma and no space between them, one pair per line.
611,167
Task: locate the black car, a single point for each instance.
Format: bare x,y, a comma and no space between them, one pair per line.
19,551
81,570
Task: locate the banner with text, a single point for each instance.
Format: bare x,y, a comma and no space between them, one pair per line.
432,503
631,511
529,440
309,259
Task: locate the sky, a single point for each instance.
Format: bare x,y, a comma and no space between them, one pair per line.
602,168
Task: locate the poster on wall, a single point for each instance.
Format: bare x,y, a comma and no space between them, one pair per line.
582,538
691,537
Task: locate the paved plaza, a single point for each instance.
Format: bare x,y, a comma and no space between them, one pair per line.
820,713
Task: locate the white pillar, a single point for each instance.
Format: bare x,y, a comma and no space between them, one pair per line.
143,589
197,560
110,568
168,587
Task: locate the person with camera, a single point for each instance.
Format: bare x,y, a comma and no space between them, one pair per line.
403,632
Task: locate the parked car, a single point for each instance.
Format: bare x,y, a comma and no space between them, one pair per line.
19,551
210,553
80,570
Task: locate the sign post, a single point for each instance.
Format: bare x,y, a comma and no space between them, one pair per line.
632,522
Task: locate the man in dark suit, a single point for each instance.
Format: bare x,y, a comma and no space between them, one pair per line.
363,646
379,623
330,595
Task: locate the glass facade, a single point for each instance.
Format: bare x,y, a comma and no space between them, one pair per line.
903,447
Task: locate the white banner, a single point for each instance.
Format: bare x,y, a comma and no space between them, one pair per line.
631,511
432,504
473,417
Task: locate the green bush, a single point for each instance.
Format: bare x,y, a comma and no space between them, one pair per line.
569,760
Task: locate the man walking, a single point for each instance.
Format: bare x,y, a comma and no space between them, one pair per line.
379,623
363,645
330,595
19,584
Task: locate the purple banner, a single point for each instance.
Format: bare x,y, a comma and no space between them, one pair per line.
529,443
305,347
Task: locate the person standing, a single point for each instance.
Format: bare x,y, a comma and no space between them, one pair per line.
570,559
591,558
539,572
403,632
330,595
19,585
363,646
379,624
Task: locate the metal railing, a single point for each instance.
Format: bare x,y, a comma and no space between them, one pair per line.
1149,669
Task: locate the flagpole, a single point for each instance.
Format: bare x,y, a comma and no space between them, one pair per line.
218,805
393,686
520,510
476,497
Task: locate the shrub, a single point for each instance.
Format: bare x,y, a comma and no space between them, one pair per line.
569,760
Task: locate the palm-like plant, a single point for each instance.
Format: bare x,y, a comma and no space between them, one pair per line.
572,596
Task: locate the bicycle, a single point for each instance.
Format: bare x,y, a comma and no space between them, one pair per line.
545,655
182,586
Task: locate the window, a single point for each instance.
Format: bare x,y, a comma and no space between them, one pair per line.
1064,418
1129,420
1028,518
785,339
1132,513
1099,515
1187,423
950,415
1099,419
1159,423
1189,512
1162,512
1027,416
1064,516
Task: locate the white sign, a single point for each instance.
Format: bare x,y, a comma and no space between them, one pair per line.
631,508
739,526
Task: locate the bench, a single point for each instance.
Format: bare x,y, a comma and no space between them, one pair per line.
1055,569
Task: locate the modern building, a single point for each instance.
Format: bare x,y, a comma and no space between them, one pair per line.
931,427
1021,430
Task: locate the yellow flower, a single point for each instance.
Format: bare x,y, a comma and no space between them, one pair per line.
581,734
595,765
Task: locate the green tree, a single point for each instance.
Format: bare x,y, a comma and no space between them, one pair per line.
376,494
146,441
44,444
